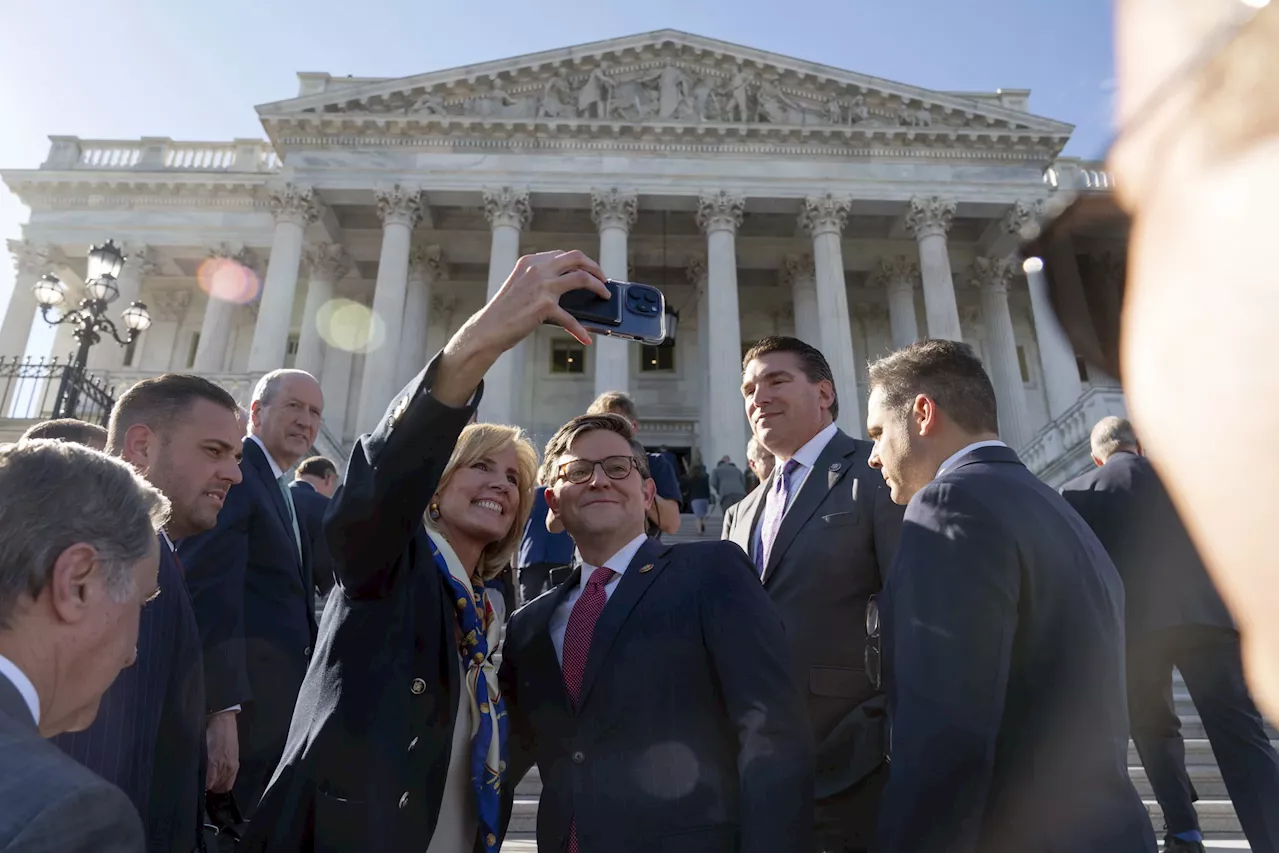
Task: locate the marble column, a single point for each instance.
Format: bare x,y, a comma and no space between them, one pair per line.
824,218
719,215
509,213
426,267
992,276
400,209
221,310
1057,357
140,262
335,384
294,207
696,274
327,264
614,212
798,271
899,277
168,309
929,218
30,262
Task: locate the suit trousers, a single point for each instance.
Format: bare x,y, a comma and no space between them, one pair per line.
846,822
1209,660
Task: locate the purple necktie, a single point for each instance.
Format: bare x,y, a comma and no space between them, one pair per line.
775,507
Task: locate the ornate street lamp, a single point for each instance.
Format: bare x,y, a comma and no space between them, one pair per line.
90,317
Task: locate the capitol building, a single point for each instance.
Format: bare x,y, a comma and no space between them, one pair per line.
762,194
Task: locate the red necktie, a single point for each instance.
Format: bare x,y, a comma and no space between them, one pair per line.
577,643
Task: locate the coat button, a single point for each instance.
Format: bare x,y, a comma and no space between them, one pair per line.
412,744
417,687
404,799
307,651
579,757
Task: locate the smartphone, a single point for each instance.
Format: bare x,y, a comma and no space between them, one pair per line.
636,312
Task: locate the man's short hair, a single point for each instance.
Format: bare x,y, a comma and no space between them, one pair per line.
812,362
54,494
160,401
757,451
69,429
947,372
614,403
1112,434
269,385
316,466
567,434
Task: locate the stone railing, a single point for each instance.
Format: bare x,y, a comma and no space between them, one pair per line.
1060,450
1071,173
158,154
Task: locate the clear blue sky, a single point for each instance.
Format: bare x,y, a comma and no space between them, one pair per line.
192,70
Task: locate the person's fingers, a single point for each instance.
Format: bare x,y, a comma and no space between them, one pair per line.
576,260
566,321
580,280
210,776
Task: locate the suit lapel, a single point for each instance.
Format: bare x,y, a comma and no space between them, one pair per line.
746,514
542,652
258,459
634,584
833,464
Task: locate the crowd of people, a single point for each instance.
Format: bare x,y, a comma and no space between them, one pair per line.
907,643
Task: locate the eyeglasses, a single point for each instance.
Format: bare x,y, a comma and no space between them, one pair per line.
871,652
580,471
1080,244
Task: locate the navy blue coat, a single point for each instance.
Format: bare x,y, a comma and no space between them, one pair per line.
689,735
311,507
1003,623
148,737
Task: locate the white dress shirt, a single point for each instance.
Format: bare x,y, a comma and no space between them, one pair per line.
955,457
27,690
805,458
618,562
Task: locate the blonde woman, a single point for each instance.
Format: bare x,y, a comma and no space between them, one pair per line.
399,736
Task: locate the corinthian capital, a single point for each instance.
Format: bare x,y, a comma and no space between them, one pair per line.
929,215
242,255
427,263
169,305
896,272
613,208
720,211
140,260
293,203
823,214
508,206
1019,216
329,261
992,273
797,269
31,260
399,205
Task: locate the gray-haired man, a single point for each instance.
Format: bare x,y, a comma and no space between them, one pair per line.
72,586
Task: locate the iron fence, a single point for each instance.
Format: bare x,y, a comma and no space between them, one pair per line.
40,388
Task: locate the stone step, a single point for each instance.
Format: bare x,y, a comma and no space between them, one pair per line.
1198,753
1206,779
524,815
1217,819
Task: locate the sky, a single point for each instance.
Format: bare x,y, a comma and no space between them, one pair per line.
195,71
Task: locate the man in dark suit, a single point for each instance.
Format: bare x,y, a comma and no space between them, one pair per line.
180,432
72,586
1003,634
1174,617
821,531
541,551
314,483
251,586
652,687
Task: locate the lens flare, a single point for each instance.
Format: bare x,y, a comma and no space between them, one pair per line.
228,280
1032,265
346,324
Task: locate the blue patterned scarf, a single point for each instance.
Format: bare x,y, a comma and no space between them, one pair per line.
480,628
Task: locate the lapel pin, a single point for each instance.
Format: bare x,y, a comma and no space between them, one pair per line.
646,568
835,466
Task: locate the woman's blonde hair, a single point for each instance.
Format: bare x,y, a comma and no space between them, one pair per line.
476,442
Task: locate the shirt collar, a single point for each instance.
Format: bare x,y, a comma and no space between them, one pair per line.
25,688
955,457
807,456
275,469
618,562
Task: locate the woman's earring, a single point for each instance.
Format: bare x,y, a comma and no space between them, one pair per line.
434,511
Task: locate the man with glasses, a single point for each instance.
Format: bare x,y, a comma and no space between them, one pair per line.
1003,632
652,688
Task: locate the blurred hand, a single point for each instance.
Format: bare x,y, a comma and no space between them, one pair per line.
224,752
531,296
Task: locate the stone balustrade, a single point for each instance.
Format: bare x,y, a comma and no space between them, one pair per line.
1060,450
154,154
1072,173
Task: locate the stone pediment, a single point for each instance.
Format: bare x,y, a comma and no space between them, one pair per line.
666,83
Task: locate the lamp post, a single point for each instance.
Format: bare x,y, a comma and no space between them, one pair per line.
90,317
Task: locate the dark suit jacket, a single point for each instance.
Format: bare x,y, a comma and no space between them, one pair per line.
1003,626
255,605
832,553
311,507
364,768
52,804
148,736
688,735
1165,582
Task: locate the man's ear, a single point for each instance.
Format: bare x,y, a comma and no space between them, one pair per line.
255,415
553,500
1096,460
924,415
650,492
140,447
72,582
